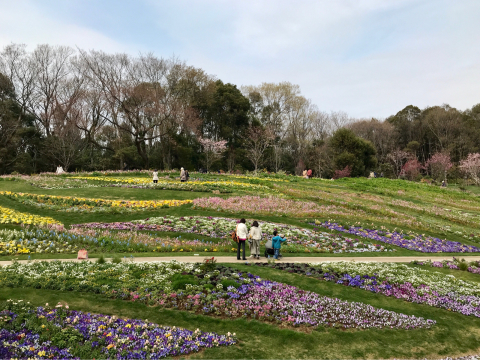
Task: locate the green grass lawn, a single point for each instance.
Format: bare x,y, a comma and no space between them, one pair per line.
454,334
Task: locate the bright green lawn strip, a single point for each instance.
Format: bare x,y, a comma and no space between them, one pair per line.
453,334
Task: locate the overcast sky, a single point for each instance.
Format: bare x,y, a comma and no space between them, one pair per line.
370,58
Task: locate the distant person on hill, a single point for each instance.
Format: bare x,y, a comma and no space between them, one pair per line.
309,173
155,176
242,234
187,175
183,176
304,174
277,243
59,170
256,236
444,184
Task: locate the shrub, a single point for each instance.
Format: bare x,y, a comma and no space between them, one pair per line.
180,282
101,260
209,264
116,260
227,283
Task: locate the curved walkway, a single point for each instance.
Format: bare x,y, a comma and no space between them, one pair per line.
232,259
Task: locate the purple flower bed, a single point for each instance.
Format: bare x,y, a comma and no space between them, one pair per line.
427,244
104,336
26,345
290,306
422,294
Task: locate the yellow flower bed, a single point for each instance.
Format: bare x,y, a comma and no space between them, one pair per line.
10,216
11,248
68,201
164,182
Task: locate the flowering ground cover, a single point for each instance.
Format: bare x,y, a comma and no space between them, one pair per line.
299,240
10,216
73,204
416,242
472,266
397,280
42,241
225,186
208,290
268,206
61,333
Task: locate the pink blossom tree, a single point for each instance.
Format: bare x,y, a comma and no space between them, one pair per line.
212,150
346,172
471,167
411,169
438,165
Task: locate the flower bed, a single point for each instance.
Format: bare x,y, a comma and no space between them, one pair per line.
426,244
473,266
25,330
39,241
192,185
10,216
72,203
299,240
268,206
207,290
397,280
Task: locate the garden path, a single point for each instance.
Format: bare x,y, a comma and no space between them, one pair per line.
317,259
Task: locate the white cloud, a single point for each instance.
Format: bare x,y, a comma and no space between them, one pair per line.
25,22
366,57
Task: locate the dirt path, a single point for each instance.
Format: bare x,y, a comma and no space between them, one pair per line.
232,259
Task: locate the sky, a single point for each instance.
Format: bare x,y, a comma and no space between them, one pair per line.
369,58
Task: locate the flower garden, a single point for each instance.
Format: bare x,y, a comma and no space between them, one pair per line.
116,305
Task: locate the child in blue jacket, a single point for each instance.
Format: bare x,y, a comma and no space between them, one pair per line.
277,243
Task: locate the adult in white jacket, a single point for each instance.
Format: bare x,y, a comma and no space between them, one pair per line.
256,236
242,234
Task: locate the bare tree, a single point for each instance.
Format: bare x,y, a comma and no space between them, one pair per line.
257,141
398,158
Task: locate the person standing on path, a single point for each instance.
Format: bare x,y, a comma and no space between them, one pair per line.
277,243
183,176
155,176
242,234
256,236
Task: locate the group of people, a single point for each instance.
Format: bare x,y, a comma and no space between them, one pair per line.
254,236
307,173
184,175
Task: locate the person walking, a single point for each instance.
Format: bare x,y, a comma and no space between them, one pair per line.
277,243
155,176
242,234
183,176
255,235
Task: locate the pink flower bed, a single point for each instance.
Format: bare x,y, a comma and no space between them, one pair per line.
269,205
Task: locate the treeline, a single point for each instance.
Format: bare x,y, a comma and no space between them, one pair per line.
97,111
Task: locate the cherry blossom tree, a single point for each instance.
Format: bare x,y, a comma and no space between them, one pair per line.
411,169
212,150
438,165
346,172
471,167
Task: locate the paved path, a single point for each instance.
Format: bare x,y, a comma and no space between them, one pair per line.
232,259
